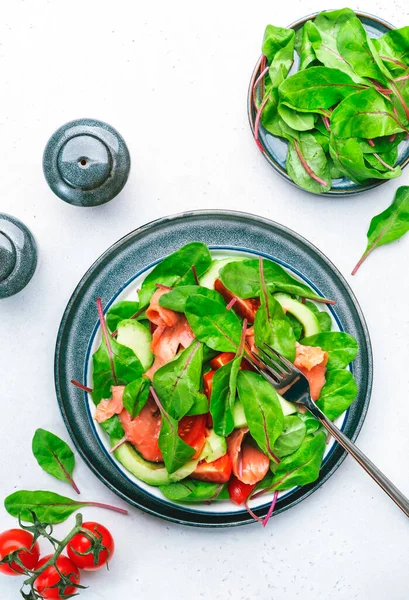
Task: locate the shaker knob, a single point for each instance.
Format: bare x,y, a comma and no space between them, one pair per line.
18,255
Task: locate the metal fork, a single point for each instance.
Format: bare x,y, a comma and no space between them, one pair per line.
294,386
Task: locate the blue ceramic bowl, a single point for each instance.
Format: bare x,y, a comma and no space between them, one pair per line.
274,149
119,267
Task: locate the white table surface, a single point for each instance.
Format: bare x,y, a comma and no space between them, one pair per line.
172,78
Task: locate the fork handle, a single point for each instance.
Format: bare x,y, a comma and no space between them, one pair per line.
364,461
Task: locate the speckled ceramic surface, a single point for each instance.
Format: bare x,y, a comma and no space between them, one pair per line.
18,255
274,149
133,254
86,162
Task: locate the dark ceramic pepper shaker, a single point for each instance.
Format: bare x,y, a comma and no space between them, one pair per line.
18,255
86,162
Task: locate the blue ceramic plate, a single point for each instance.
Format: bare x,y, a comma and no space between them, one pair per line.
117,274
274,149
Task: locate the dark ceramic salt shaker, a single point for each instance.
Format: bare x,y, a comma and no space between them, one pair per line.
18,255
86,162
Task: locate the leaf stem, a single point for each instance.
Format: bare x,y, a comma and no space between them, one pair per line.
385,164
118,444
326,122
307,166
106,336
81,386
194,270
257,122
271,509
231,303
361,260
403,78
259,78
122,511
393,60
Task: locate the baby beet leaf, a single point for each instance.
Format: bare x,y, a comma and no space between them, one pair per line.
136,396
47,506
389,225
54,456
307,164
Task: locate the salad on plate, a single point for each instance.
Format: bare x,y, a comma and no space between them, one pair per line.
182,406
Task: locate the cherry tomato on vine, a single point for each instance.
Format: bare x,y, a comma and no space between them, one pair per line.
45,582
80,544
12,540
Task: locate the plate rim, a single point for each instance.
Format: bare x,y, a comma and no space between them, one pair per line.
310,488
332,193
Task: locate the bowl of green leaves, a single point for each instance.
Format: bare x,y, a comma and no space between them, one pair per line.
328,101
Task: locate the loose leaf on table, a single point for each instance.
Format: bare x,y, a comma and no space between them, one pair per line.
176,298
194,491
175,451
278,47
262,409
292,436
365,114
224,390
271,326
393,50
342,347
243,279
213,324
338,393
295,119
176,269
47,506
303,466
356,48
307,164
348,156
113,365
178,382
120,311
317,88
54,456
136,395
389,225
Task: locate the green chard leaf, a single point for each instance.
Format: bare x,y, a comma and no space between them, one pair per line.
190,490
303,44
311,423
365,114
262,409
307,164
54,456
113,427
117,365
292,436
295,119
120,311
338,393
136,395
303,466
213,324
271,120
175,451
243,279
278,47
178,382
388,226
176,298
176,269
342,347
393,50
223,396
317,88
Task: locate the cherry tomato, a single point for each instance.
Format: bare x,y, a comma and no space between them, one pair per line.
45,582
225,357
245,308
239,491
12,540
218,471
208,383
192,430
80,544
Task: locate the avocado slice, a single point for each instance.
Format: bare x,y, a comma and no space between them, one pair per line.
136,336
152,473
305,315
214,448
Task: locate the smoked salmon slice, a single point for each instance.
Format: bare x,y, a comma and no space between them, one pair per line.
312,360
159,315
166,341
250,465
143,431
108,408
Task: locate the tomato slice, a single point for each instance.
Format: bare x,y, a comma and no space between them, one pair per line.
239,491
192,430
208,383
218,471
225,357
246,309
